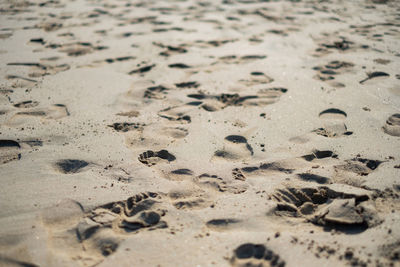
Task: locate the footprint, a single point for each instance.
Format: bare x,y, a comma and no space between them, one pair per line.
143,69
309,177
179,66
329,71
26,104
255,255
39,69
392,126
237,174
151,158
129,114
79,48
54,112
127,126
319,154
217,102
332,113
359,166
235,148
9,151
348,212
333,123
267,168
193,84
155,92
102,229
256,78
21,82
190,199
375,74
233,59
222,224
175,132
170,49
218,184
69,166
177,114
179,175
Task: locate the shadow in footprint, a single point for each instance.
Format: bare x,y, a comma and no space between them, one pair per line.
151,158
68,166
255,255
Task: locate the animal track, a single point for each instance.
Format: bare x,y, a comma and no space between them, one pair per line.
326,207
255,255
151,158
392,126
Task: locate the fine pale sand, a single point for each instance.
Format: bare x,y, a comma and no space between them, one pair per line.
199,133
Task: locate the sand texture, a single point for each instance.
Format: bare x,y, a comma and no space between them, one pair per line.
199,133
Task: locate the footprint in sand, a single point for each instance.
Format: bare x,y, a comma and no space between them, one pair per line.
333,123
329,71
352,171
79,48
223,224
277,167
255,255
233,59
18,81
218,184
39,69
127,126
9,151
176,114
351,211
26,104
54,112
155,92
91,236
235,148
217,102
256,78
69,166
392,126
151,158
188,199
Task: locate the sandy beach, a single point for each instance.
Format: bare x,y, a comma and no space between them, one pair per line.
199,133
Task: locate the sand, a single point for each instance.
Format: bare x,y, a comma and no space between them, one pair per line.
199,133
